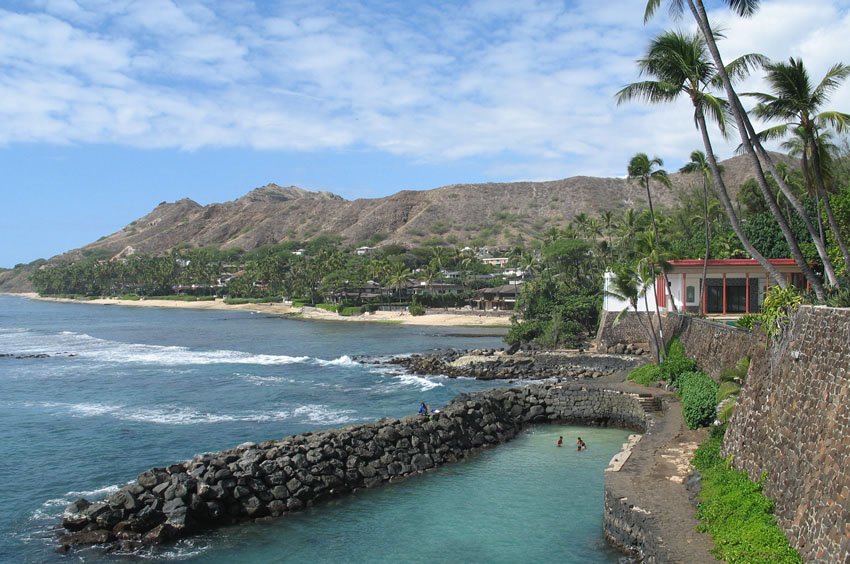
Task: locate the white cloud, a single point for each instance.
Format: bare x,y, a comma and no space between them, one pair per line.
532,79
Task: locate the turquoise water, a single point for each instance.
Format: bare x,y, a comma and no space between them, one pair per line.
124,389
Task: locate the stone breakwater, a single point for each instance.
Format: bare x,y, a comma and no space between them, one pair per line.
270,479
487,364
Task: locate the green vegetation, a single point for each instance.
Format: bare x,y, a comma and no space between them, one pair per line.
676,363
699,398
736,513
416,309
327,307
646,374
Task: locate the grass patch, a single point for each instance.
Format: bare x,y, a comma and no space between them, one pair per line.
327,307
646,374
736,513
348,311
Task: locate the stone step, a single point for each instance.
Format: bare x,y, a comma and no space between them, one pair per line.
650,403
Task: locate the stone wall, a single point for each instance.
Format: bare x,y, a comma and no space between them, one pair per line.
629,329
276,477
715,345
632,530
792,426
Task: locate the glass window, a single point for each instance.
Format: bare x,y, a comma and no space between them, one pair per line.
690,294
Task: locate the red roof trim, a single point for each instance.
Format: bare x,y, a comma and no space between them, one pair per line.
732,262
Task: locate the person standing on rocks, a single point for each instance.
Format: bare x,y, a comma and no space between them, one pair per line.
423,409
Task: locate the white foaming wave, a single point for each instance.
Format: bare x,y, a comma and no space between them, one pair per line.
264,380
88,347
322,414
344,360
173,415
423,383
52,509
402,378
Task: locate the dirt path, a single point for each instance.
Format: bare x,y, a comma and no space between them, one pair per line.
653,479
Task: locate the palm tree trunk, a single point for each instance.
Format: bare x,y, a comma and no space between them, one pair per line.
833,225
778,279
650,331
746,133
653,334
657,241
795,202
707,240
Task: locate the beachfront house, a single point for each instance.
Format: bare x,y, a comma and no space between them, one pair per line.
499,298
732,287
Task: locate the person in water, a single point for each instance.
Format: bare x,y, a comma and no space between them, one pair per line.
560,441
580,444
423,409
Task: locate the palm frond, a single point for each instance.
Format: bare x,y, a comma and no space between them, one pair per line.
741,67
838,120
744,8
832,80
651,91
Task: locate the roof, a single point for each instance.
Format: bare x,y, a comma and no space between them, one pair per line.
732,262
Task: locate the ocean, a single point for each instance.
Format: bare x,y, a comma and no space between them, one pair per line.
91,396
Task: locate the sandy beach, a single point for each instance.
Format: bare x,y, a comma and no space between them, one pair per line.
403,318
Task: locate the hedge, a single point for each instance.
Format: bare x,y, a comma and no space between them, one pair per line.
699,399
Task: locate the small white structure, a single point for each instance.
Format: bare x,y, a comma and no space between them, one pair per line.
732,287
364,251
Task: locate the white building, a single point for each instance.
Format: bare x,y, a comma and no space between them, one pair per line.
733,287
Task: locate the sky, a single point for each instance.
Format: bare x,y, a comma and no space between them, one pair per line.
109,107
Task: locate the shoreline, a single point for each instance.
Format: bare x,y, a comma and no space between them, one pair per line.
283,310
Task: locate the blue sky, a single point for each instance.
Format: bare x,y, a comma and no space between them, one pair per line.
109,107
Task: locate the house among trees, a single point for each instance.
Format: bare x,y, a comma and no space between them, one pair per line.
733,287
499,298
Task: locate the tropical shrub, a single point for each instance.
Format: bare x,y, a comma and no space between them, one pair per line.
676,362
748,321
416,309
779,305
646,374
735,511
699,398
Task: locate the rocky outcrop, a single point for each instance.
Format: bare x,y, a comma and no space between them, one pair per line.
272,478
489,364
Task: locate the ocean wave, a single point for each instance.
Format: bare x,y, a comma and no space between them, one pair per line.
344,360
52,509
174,415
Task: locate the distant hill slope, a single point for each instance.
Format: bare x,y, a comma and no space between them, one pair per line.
491,214
497,213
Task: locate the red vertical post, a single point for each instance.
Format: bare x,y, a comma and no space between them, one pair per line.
704,295
747,307
724,293
684,293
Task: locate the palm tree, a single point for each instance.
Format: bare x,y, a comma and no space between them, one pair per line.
699,165
628,285
680,65
750,141
643,169
795,101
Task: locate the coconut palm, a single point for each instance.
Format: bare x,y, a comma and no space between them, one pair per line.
679,64
795,101
699,165
750,141
628,285
645,170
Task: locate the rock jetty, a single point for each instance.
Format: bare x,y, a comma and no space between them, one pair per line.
272,478
490,364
